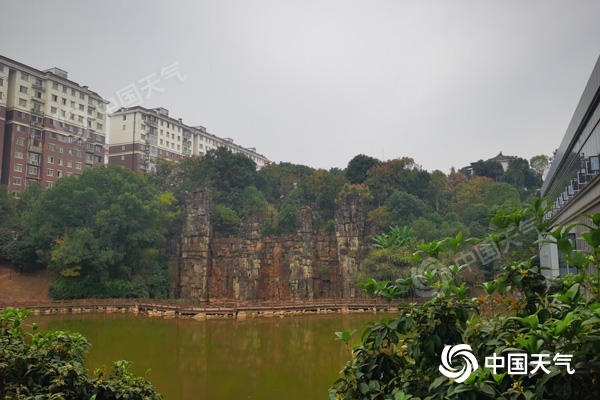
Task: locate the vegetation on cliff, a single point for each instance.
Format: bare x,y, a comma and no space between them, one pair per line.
105,232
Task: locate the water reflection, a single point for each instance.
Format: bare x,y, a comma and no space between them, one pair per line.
221,359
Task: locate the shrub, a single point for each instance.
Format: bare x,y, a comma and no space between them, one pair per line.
49,365
519,312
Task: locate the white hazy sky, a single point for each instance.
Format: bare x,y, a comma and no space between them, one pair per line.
446,82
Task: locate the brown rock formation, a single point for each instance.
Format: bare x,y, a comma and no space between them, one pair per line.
252,267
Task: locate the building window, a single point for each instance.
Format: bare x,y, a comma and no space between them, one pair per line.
54,98
99,126
52,135
61,149
50,160
82,95
81,107
17,181
124,127
124,117
20,128
79,153
98,148
50,172
32,170
59,174
78,165
20,141
161,142
1,94
60,161
64,89
23,102
24,76
122,158
19,167
63,113
53,110
72,104
100,115
80,119
122,147
70,164
23,89
73,92
49,185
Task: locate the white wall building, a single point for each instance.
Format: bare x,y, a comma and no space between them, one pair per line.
138,136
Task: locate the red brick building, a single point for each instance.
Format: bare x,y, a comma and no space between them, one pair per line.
50,127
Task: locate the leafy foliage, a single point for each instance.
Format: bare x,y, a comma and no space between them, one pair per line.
49,365
399,358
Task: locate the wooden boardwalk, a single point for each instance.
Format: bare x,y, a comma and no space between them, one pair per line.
187,307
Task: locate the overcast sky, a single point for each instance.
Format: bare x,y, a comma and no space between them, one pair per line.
317,82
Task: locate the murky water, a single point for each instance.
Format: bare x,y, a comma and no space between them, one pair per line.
221,359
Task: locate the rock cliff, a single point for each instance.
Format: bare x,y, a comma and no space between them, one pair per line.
251,266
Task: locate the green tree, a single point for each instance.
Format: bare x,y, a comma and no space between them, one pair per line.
357,169
253,203
225,221
405,208
501,195
540,164
103,225
489,169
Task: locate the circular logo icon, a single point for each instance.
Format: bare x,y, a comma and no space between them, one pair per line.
469,362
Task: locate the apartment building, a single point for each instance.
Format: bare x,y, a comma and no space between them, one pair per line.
50,126
139,136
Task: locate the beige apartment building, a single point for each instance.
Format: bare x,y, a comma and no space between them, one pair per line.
50,126
139,136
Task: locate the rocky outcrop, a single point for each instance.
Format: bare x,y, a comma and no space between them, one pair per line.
252,267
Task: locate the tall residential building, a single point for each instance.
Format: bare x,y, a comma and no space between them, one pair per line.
50,127
138,136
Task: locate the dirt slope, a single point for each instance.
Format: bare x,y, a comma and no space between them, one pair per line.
22,287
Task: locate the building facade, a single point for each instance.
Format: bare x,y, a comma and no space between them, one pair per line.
139,136
50,127
572,184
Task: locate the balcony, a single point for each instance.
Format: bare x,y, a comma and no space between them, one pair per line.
38,100
187,134
35,149
36,111
151,123
90,105
33,162
38,87
36,123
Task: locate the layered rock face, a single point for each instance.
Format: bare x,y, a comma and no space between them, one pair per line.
251,266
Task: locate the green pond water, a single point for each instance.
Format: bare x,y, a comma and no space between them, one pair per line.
220,359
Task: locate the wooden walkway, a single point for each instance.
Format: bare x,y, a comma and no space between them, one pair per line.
187,307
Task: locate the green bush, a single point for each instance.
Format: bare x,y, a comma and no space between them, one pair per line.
49,365
519,312
225,221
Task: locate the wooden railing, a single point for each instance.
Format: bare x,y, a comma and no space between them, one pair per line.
222,307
